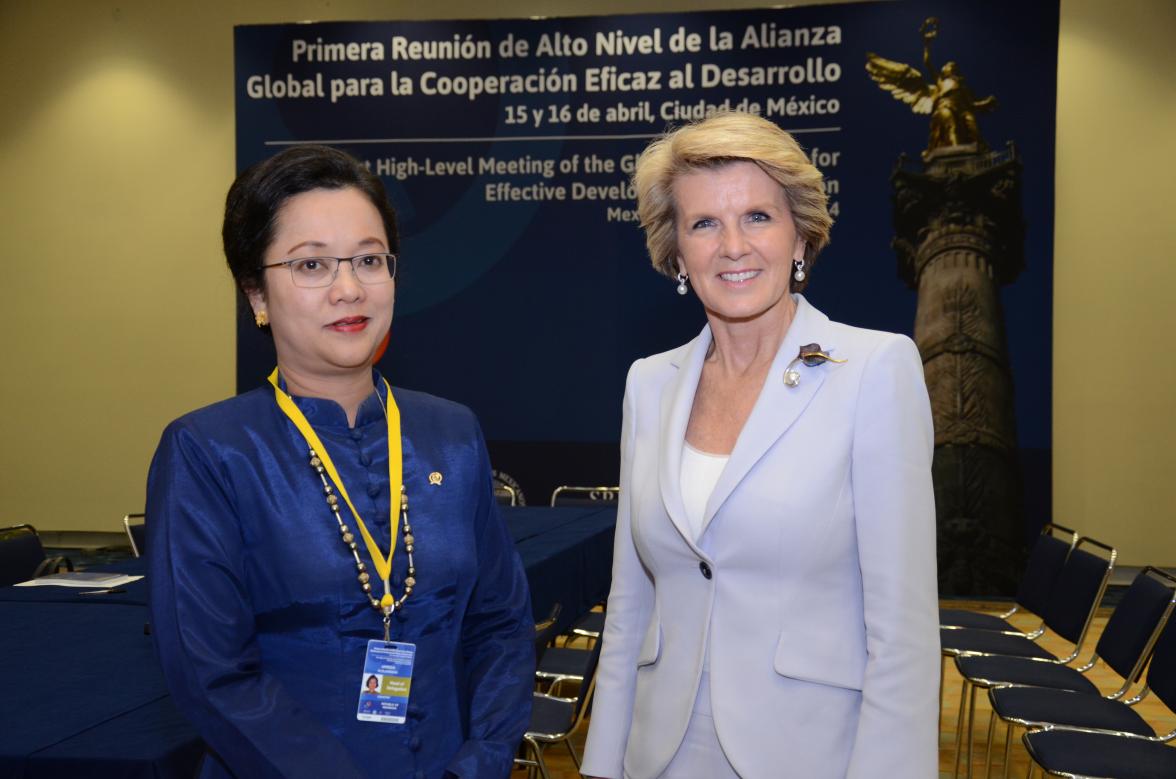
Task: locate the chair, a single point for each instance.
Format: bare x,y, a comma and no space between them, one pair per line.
1045,563
560,664
566,495
1072,604
589,626
22,557
505,494
545,631
555,720
1078,753
1125,645
1046,559
136,533
1085,735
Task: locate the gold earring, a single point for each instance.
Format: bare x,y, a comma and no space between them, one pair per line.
261,318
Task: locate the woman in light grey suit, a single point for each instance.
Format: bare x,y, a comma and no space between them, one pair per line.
773,608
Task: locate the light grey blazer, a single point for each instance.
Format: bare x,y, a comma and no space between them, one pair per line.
820,613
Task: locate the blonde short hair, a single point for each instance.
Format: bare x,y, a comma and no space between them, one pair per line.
711,143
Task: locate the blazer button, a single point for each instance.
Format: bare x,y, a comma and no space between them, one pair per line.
706,571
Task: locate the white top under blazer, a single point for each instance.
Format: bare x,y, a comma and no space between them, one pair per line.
811,582
700,473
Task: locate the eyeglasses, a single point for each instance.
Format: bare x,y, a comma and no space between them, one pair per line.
369,269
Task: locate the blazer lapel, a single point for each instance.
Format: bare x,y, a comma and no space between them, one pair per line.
778,405
676,401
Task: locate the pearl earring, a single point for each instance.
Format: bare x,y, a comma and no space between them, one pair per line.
682,279
799,274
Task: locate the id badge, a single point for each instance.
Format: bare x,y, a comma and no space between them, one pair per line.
387,678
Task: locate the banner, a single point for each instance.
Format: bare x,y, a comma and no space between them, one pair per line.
507,146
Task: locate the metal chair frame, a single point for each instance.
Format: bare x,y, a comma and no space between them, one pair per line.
555,681
1039,631
511,493
126,520
582,629
536,742
1026,739
967,711
1034,634
602,494
1128,682
545,630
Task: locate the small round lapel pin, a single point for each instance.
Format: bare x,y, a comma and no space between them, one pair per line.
435,478
810,355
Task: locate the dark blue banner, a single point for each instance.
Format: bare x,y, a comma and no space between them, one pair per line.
507,145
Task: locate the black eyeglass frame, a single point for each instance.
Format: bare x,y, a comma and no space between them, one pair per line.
389,259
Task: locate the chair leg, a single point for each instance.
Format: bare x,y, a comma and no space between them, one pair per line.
942,671
988,749
959,739
971,725
572,749
1008,753
537,749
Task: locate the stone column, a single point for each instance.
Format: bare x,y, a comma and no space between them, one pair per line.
959,237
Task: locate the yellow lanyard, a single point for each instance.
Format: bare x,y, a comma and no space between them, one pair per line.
395,477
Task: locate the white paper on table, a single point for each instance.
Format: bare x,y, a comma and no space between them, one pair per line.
81,579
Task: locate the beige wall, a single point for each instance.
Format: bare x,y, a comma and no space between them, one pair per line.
1115,276
116,148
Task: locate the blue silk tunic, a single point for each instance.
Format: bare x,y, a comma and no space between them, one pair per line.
259,619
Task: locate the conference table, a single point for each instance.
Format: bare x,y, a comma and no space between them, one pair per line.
81,691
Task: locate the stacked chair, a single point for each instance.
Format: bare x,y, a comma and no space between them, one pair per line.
1045,563
1073,728
545,631
556,718
561,664
1033,692
1073,601
589,626
1114,741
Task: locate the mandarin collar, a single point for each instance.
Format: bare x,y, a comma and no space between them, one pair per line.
327,413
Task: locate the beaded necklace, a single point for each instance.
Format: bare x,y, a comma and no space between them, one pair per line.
349,539
320,461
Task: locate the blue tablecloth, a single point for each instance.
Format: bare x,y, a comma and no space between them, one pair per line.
81,692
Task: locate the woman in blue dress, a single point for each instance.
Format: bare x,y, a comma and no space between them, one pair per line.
304,535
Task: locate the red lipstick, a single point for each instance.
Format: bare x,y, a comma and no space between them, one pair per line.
349,324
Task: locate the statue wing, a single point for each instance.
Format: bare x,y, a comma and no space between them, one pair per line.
902,81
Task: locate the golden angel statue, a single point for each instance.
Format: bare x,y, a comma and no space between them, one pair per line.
945,96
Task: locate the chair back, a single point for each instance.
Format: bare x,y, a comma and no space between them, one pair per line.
1046,559
136,530
504,494
1161,674
545,630
567,495
1132,630
1079,590
588,686
21,554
